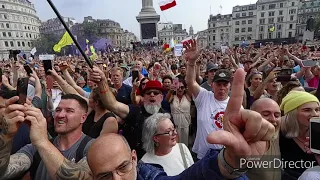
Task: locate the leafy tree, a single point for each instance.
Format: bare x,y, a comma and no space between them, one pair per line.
45,43
317,25
90,29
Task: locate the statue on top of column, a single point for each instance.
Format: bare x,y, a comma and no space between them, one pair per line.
147,3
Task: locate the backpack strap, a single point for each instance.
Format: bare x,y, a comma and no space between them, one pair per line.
35,163
82,146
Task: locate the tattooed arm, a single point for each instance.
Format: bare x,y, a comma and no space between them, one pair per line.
5,148
61,168
19,163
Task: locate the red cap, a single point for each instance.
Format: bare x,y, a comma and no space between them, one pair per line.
153,85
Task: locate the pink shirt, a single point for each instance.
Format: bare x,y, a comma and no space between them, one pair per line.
313,82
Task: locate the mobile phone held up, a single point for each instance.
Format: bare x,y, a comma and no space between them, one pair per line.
28,69
47,65
22,90
135,75
314,135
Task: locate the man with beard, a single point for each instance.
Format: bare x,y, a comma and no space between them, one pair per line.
132,115
270,111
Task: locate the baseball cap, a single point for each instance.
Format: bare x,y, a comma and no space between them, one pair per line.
222,75
211,66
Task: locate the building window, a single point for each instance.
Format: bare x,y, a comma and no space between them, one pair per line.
262,7
236,38
262,21
30,44
291,18
249,37
278,35
280,19
272,6
243,29
237,30
11,43
237,22
250,13
213,38
290,26
292,11
271,13
249,21
19,44
23,44
2,25
280,12
3,6
244,8
244,14
271,20
249,29
279,27
9,34
6,43
260,36
243,22
238,15
281,5
290,34
261,29
4,34
262,14
270,36
214,31
292,4
5,16
250,7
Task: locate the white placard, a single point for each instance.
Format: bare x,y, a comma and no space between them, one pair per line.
178,50
46,57
224,48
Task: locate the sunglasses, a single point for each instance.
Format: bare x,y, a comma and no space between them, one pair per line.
154,92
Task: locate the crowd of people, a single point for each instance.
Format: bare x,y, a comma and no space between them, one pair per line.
148,115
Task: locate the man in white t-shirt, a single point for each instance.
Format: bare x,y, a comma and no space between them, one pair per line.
210,105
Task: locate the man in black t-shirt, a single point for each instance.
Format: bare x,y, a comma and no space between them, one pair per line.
132,115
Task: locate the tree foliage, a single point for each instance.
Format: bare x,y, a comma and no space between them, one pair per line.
317,25
45,43
90,29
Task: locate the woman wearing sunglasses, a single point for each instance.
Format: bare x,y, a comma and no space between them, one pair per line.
160,142
180,103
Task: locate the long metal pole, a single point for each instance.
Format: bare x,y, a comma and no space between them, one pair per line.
68,30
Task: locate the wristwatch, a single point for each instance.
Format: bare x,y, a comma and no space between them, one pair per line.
232,171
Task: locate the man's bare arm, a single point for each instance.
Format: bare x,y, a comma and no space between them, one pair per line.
5,148
74,171
19,163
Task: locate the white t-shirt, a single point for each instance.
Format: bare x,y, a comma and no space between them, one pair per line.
209,118
172,163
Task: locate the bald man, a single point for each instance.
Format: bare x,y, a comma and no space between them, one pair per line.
110,157
269,110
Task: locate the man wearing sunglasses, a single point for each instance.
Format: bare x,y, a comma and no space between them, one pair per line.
133,116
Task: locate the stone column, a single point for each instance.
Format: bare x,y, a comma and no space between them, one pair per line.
147,3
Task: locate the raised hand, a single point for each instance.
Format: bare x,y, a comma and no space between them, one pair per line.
97,76
192,53
12,117
245,132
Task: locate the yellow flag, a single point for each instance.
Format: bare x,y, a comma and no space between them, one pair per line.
272,29
65,41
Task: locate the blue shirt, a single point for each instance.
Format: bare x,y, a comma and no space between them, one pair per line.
123,94
296,69
165,104
205,169
87,89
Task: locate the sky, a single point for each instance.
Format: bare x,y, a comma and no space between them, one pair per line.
187,12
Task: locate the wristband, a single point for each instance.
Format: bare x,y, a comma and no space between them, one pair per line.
232,171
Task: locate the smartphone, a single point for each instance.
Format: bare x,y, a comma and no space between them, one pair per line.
314,135
135,75
0,74
257,45
310,63
285,72
49,81
47,64
22,90
28,69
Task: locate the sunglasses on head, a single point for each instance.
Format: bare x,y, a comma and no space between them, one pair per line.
154,92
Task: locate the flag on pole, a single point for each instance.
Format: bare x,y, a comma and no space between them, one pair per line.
65,41
167,4
33,51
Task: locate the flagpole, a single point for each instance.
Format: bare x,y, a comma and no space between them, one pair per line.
71,35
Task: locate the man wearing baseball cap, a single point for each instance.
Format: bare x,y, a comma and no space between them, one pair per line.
211,105
210,72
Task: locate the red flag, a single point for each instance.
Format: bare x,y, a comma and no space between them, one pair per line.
167,4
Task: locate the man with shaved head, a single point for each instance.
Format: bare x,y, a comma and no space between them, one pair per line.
269,110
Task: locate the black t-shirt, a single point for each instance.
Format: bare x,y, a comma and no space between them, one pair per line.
291,152
132,128
92,128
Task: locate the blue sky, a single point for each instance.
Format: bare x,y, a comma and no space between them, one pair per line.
187,12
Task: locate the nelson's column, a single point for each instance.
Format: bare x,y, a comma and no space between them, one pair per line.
148,19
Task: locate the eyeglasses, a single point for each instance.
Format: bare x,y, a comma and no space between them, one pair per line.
154,92
170,133
121,171
144,83
182,87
